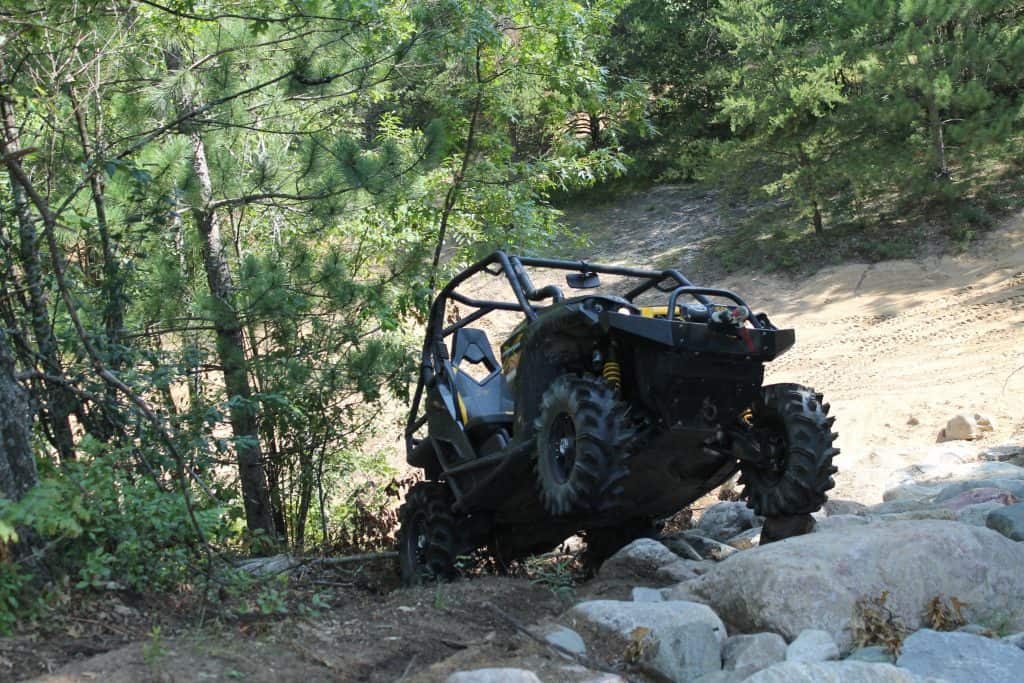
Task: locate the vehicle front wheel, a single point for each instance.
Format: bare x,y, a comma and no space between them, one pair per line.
582,446
790,423
427,534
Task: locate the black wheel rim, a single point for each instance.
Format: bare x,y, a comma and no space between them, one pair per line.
416,542
562,447
771,439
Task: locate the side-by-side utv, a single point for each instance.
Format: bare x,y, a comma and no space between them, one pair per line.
605,413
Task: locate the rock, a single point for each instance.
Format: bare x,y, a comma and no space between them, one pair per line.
724,520
778,528
812,645
1016,639
961,657
1014,487
834,672
840,523
975,496
641,594
925,481
750,538
978,514
930,512
683,639
949,454
814,581
844,507
876,654
1009,521
962,427
913,421
977,630
563,637
1007,452
494,676
985,423
645,558
753,652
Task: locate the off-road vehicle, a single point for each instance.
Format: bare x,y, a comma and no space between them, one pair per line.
606,413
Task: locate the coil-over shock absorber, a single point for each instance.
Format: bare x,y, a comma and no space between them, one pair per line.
611,370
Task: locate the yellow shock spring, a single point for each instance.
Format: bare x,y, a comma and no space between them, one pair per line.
612,373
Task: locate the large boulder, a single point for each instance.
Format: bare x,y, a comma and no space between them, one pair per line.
814,581
724,520
678,640
812,645
961,658
645,558
753,652
835,672
1009,521
923,481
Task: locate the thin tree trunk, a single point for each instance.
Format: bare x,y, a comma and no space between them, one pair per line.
231,352
938,145
58,401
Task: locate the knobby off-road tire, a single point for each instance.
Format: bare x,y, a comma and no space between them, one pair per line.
795,419
582,446
427,540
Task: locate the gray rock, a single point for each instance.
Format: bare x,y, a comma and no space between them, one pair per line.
927,481
563,637
978,514
977,630
646,559
494,676
812,645
840,522
753,652
1016,639
844,507
875,654
1007,452
1009,521
975,496
750,538
961,657
814,581
1014,487
685,637
641,594
724,520
930,512
835,672
725,676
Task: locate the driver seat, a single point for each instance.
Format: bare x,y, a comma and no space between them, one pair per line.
485,405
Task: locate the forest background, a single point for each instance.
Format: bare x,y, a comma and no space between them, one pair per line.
221,224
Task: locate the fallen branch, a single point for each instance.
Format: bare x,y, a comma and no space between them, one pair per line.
582,660
353,559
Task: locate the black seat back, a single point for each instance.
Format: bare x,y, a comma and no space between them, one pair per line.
487,401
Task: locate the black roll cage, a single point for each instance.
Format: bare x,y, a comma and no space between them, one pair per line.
512,267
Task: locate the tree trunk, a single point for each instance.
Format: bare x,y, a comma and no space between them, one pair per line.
59,403
938,145
818,229
231,352
17,465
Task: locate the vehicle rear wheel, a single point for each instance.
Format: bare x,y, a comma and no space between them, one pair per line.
581,446
427,534
792,426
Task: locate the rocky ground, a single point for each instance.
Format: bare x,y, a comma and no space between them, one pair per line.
912,572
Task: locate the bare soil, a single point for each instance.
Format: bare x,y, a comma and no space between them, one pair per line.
897,347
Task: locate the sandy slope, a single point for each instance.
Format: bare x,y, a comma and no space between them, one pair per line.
884,342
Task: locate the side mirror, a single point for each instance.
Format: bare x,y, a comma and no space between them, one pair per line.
583,280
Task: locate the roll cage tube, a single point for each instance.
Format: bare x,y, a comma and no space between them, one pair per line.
671,282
